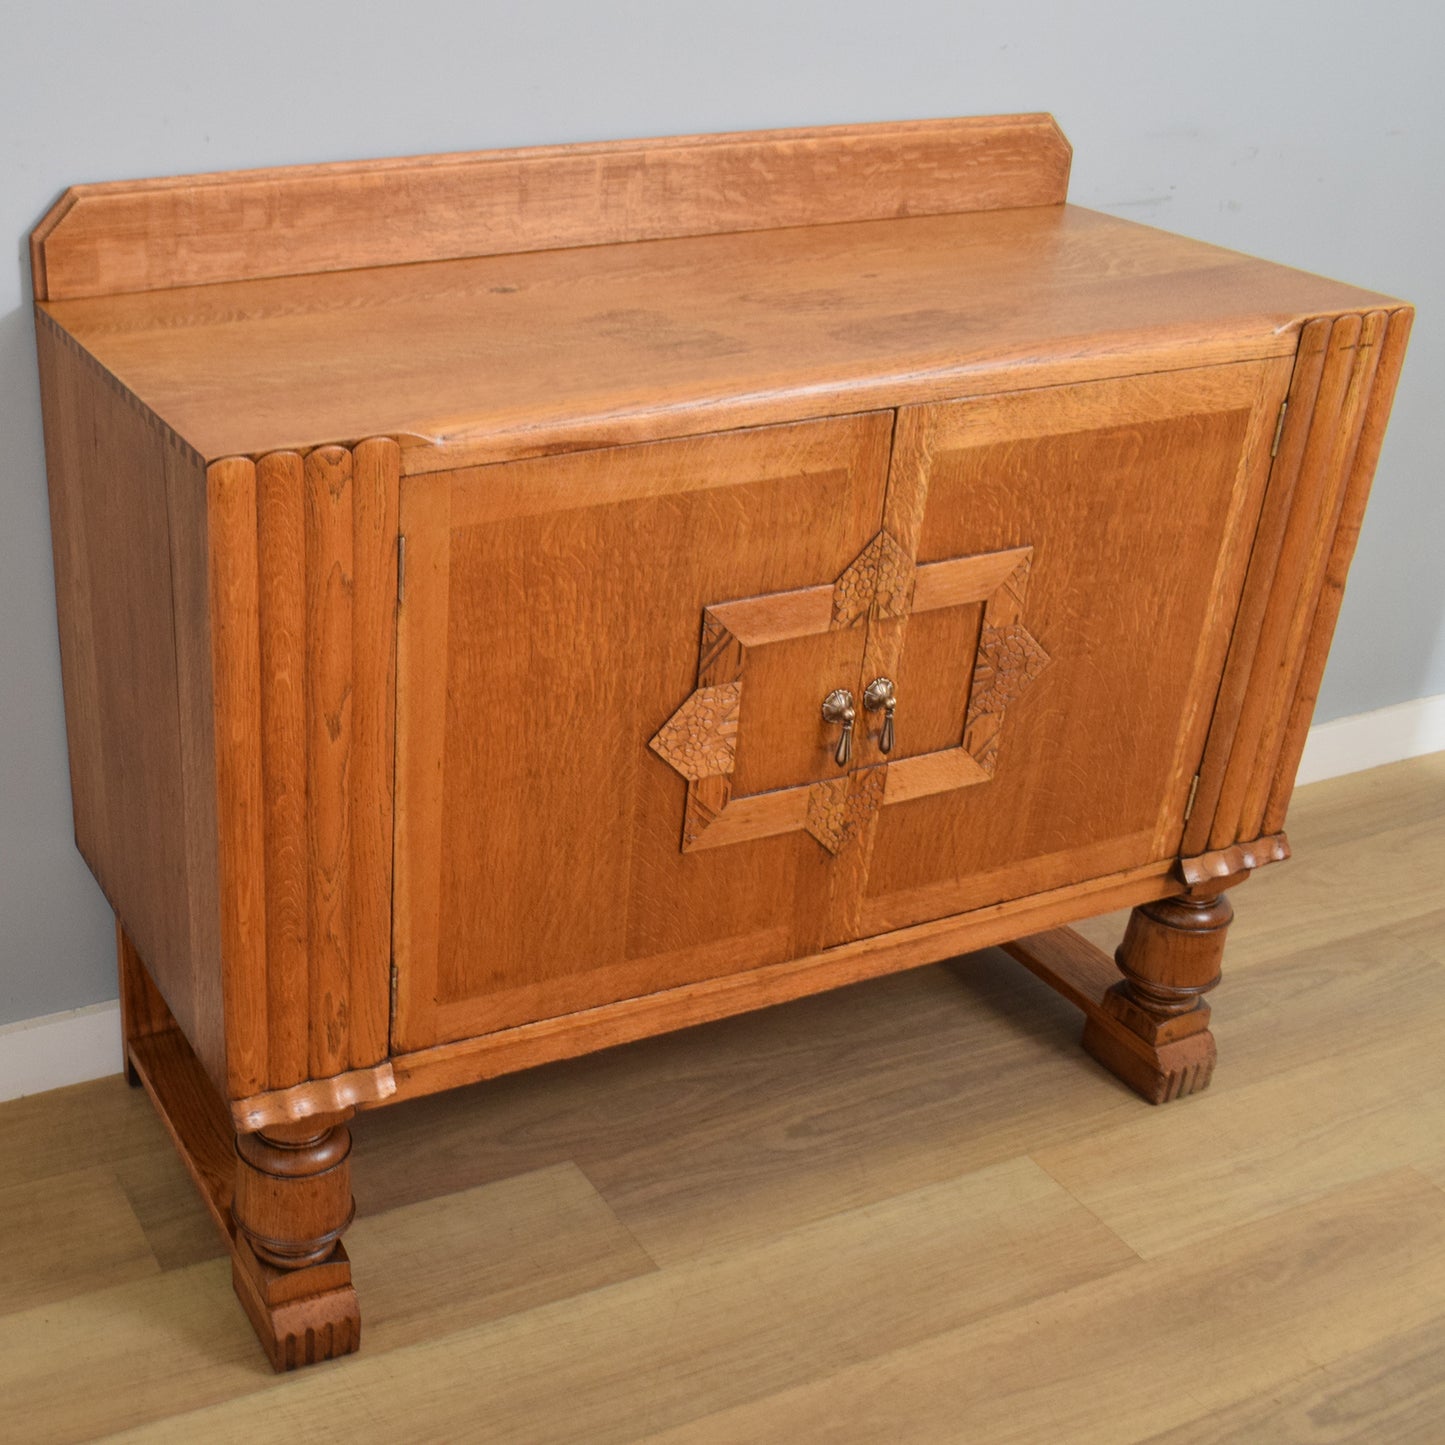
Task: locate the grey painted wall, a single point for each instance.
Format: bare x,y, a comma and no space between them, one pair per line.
1308,133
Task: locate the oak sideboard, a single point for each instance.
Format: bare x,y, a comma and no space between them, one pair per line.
518,602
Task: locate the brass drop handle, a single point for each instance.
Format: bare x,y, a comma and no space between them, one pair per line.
838,708
880,693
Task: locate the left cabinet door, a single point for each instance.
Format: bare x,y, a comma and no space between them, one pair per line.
613,774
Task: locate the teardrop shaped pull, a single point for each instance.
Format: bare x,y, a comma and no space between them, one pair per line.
838,708
880,693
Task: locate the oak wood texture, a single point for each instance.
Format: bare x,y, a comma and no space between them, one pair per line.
467,787
126,236
1342,385
292,1198
1134,631
425,1071
317,1096
138,762
875,1184
1373,412
143,1011
597,346
303,596
285,1193
1150,1029
1232,861
504,733
1171,956
194,1118
291,1203
322,1324
445,642
700,740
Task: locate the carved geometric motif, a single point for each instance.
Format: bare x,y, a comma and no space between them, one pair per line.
706,798
893,583
700,739
719,654
1018,580
877,582
839,807
1009,659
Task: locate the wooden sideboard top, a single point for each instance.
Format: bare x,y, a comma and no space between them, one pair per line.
560,344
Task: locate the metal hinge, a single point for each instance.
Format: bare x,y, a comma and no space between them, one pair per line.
1278,429
393,994
1188,809
400,569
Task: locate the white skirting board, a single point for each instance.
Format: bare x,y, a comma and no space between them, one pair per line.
1372,739
68,1048
59,1049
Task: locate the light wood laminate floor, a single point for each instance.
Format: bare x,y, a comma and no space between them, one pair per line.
909,1211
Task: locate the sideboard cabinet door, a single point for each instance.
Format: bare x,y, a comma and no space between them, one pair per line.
1080,555
610,743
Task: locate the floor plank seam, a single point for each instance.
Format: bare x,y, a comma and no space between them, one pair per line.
622,1224
1093,1213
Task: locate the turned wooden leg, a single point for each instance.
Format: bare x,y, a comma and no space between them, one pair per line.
1170,958
1149,1027
281,1197
292,1203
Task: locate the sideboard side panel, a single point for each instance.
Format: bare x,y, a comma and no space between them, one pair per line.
1234,690
191,602
138,789
1344,381
303,589
1376,414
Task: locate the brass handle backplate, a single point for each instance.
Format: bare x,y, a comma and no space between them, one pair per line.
838,708
880,693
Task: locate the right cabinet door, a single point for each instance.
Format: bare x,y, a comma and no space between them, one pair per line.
1079,557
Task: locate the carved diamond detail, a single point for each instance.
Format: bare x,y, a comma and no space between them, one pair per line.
893,584
1009,659
838,808
878,580
700,739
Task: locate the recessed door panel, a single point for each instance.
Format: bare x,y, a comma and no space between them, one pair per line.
614,775
1111,523
611,666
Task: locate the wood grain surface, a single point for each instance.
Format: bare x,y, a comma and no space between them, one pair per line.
1094,761
191,230
870,1214
676,440
1340,393
523,765
506,356
140,782
302,580
524,1046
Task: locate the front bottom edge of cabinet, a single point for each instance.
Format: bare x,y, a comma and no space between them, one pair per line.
467,1061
